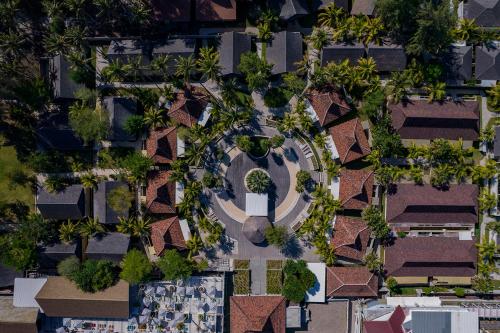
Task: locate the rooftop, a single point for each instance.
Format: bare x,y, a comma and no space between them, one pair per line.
14,319
102,209
350,238
350,140
284,51
257,314
356,188
167,233
160,193
66,204
351,282
328,104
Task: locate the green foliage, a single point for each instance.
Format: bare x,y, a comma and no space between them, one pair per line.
277,236
442,175
68,267
385,139
277,97
376,221
459,292
134,125
16,252
174,266
136,166
89,124
55,183
95,275
372,262
258,181
487,200
482,284
241,281
494,98
274,281
120,199
91,227
136,267
244,143
255,70
277,141
298,279
392,285
68,231
212,181
303,177
294,83
373,103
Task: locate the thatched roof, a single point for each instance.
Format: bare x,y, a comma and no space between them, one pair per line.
254,228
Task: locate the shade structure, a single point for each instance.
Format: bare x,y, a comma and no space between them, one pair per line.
254,228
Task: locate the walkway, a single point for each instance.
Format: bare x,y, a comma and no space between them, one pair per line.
258,269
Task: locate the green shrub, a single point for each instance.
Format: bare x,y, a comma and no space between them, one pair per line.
258,181
68,267
174,266
276,235
459,292
277,97
95,275
136,267
120,199
298,279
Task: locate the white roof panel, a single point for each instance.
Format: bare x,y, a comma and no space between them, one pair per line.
25,291
317,293
256,204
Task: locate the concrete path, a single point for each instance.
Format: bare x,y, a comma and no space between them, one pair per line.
258,269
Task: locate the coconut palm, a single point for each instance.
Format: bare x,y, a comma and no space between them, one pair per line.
55,43
374,158
264,31
194,245
161,64
141,227
327,254
89,180
91,226
396,87
114,71
303,65
467,30
154,118
331,16
436,91
494,97
185,67
487,135
318,38
228,89
12,44
258,181
208,63
288,124
125,225
68,231
366,67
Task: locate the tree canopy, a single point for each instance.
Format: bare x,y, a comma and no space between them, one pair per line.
298,280
89,124
174,266
136,267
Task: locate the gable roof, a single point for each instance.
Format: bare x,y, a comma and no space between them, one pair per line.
363,7
232,46
284,50
393,325
102,209
119,110
388,57
175,47
54,132
350,238
15,319
289,9
428,205
215,10
67,204
458,62
257,314
62,83
7,276
172,10
161,145
350,140
59,297
160,193
487,63
351,282
167,233
417,119
108,243
431,256
188,107
356,188
486,13
338,52
328,105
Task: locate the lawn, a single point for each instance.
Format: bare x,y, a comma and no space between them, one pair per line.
277,97
274,281
8,164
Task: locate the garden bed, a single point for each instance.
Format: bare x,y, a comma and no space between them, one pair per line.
241,264
241,281
260,146
274,281
277,97
274,264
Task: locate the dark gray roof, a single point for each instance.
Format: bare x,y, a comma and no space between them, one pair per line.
126,48
289,9
109,243
63,85
388,57
340,52
496,144
364,7
7,276
184,47
320,4
254,228
102,210
284,51
60,248
232,46
50,255
486,13
431,321
487,63
458,63
54,132
119,109
67,204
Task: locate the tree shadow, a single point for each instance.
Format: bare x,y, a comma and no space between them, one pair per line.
292,248
226,245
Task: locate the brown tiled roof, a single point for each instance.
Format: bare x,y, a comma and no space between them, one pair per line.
393,325
167,233
215,10
172,10
162,145
186,110
252,314
328,105
431,256
350,140
356,188
160,193
351,282
350,238
59,297
428,205
448,120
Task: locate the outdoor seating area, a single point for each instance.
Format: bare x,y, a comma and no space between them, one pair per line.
183,306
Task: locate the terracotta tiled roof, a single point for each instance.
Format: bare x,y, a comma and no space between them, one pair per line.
162,145
160,193
186,110
328,105
449,120
167,233
350,140
350,238
215,10
392,325
351,282
431,256
425,204
356,188
252,314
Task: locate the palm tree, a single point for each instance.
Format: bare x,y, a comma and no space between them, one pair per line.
467,31
264,31
141,227
56,43
436,91
288,124
396,87
331,16
91,227
114,71
303,66
125,225
194,245
12,44
161,64
374,158
185,67
258,181
494,97
133,67
68,231
373,28
154,118
208,63
89,180
318,38
366,67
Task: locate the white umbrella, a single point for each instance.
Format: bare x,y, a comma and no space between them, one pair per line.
143,319
181,291
132,321
189,291
161,291
146,301
149,290
146,312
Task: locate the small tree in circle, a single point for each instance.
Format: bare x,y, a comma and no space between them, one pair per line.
258,181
